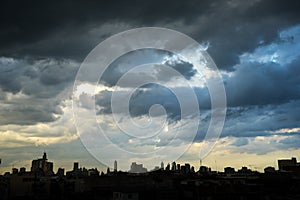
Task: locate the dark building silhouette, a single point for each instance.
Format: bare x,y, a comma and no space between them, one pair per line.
288,165
22,170
75,166
137,168
229,170
187,168
178,168
77,172
60,172
42,165
269,170
174,166
204,169
162,166
244,171
15,171
82,183
168,167
115,166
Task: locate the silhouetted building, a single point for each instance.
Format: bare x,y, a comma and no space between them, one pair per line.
168,167
93,172
22,170
42,166
229,170
288,165
137,168
173,166
182,169
204,169
115,166
60,172
75,166
269,169
178,167
244,171
162,166
15,171
187,168
77,172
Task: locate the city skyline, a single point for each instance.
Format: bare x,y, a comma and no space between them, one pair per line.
254,45
48,166
175,181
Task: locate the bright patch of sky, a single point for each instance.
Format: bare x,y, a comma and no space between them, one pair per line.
283,51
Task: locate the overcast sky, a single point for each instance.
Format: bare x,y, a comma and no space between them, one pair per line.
255,45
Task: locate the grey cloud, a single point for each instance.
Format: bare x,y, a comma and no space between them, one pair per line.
261,84
240,142
29,111
231,27
261,120
40,78
159,58
291,142
36,87
142,100
262,148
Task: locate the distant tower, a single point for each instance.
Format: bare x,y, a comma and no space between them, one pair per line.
162,166
174,166
75,166
45,156
115,166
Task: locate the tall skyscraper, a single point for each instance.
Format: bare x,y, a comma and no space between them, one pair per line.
115,166
75,166
162,166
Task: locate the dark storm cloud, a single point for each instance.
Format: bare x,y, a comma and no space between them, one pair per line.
142,100
267,93
41,78
160,58
35,88
72,28
260,84
262,120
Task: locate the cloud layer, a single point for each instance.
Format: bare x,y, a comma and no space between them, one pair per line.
255,45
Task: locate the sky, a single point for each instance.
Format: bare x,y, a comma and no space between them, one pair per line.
255,45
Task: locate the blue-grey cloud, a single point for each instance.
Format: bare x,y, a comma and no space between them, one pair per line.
36,89
155,57
34,31
240,142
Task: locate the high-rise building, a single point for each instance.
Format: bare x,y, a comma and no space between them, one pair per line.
75,166
174,166
187,168
115,166
178,167
42,165
137,168
162,166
